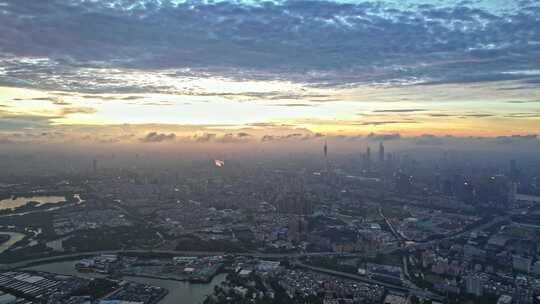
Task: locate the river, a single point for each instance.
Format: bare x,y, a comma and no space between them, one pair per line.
179,292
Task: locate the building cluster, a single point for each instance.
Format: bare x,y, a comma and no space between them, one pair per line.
81,219
22,287
420,223
261,279
135,293
181,268
302,283
500,261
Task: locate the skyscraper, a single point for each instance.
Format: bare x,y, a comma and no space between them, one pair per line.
474,285
514,171
326,156
381,152
368,159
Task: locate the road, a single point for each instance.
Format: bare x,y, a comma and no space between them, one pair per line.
397,235
46,260
402,244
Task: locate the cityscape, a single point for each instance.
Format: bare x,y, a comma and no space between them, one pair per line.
378,226
269,152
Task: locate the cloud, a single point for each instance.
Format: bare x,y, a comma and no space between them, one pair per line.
439,115
477,115
205,137
55,100
523,115
523,101
516,138
243,134
383,137
461,115
385,122
20,121
268,125
232,138
297,54
160,103
132,97
430,140
399,111
77,110
155,137
292,105
291,137
84,46
23,122
267,138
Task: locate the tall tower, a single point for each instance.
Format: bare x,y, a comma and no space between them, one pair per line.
326,156
95,165
381,152
514,171
368,158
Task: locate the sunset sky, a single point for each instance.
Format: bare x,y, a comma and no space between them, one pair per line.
158,70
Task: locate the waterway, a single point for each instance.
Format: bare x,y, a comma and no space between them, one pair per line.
15,202
179,292
14,237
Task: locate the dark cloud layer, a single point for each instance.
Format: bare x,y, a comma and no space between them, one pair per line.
383,137
154,137
516,138
324,42
399,111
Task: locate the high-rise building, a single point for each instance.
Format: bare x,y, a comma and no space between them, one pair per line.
326,156
95,165
495,191
474,285
368,159
512,192
504,299
381,152
404,183
297,229
536,268
514,171
466,192
290,197
521,263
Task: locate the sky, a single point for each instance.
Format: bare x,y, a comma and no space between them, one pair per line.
155,71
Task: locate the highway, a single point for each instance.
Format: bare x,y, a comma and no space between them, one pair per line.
73,256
